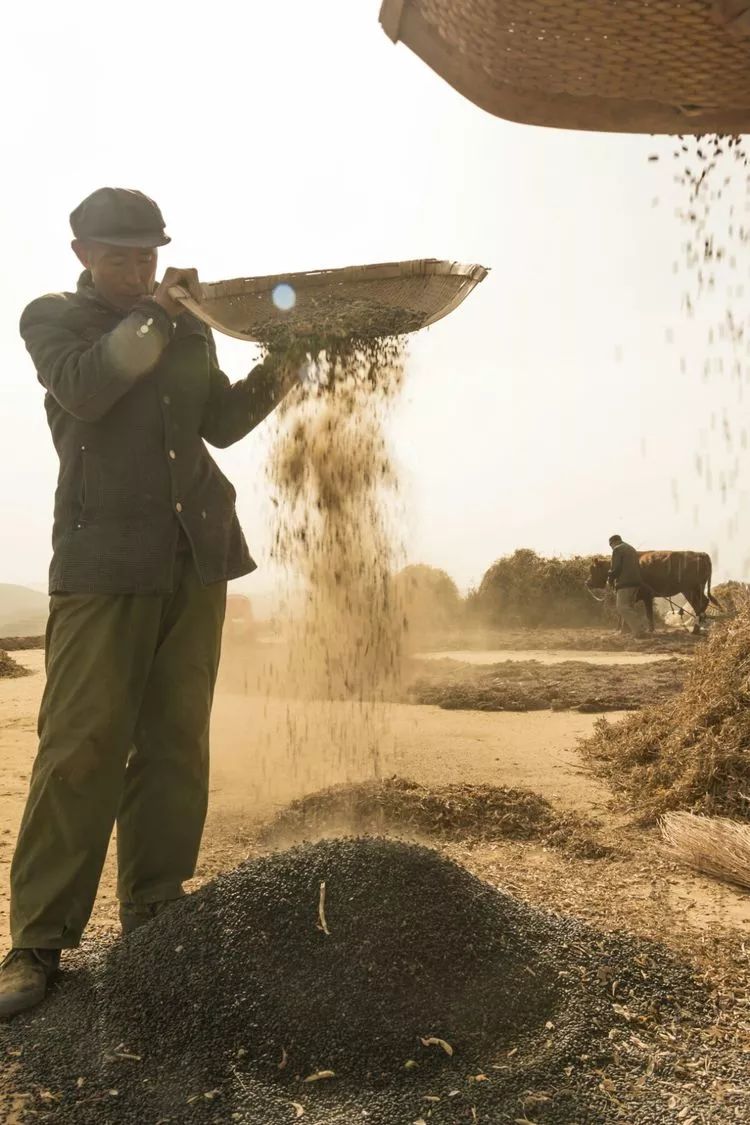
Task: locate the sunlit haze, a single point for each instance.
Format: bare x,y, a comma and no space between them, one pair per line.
547,412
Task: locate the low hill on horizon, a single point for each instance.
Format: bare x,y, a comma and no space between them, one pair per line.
23,611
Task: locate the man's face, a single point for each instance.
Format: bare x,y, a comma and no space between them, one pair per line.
121,274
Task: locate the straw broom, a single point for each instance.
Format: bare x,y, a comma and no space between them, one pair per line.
713,845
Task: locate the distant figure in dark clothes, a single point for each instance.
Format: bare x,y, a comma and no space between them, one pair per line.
625,576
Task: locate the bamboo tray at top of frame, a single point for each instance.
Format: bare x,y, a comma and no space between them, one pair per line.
635,66
386,299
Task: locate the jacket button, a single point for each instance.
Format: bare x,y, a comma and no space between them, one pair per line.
166,400
178,507
203,515
172,454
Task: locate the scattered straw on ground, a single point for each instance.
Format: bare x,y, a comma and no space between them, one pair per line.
713,845
677,642
9,668
534,686
398,806
691,752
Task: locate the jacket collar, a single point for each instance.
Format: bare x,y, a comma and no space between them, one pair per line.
85,290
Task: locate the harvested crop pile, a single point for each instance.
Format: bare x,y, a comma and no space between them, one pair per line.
8,666
430,599
693,751
409,991
370,318
19,644
524,589
731,596
532,686
445,812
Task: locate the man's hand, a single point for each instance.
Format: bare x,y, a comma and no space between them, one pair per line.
188,280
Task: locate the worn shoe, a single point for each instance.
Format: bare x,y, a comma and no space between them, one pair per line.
25,976
133,915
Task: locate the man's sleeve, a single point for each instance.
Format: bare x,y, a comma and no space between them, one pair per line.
88,379
234,409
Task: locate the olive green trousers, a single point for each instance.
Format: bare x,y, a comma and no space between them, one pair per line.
123,738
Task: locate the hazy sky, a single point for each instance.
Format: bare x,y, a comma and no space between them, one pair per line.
548,412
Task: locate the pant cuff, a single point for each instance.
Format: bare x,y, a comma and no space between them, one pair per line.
164,892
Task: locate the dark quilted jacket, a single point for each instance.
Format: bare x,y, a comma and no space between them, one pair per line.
131,400
625,570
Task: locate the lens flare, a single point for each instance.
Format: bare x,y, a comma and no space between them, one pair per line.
284,297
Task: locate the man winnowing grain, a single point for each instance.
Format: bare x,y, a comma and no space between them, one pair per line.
145,538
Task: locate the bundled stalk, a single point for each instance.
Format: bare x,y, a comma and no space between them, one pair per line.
713,845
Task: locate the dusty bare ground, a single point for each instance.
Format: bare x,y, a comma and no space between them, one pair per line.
259,766
268,752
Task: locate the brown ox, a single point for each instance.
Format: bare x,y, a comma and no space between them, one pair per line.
238,623
666,574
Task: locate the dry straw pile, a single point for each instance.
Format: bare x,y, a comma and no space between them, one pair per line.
430,600
692,752
714,845
525,590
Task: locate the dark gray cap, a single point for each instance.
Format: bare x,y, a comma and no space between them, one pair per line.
119,217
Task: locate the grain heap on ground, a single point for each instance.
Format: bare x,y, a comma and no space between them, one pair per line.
368,980
693,751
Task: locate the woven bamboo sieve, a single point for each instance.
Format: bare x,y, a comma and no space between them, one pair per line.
387,299
637,66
